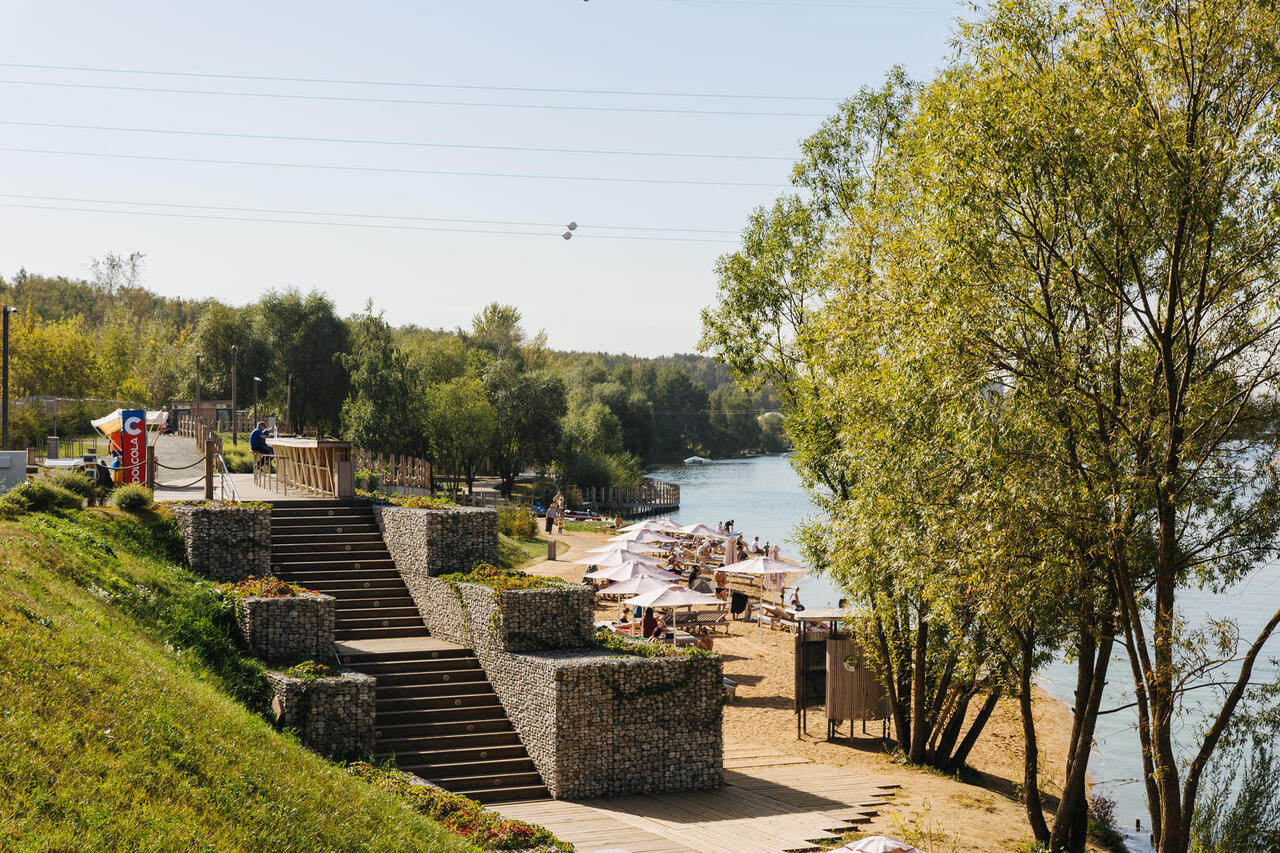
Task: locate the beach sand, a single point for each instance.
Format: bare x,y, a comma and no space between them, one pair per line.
937,813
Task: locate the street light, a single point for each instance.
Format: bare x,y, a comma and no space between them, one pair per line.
4,407
235,363
288,404
256,380
196,413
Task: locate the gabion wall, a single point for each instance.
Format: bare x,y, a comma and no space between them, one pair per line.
532,619
334,716
287,629
597,723
226,543
430,542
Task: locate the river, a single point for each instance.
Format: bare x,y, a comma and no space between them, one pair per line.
764,497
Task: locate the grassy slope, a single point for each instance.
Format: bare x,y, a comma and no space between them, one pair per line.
109,741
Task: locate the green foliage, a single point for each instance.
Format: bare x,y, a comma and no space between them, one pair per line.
308,671
132,498
460,424
72,481
528,407
239,457
460,814
514,553
37,496
1240,808
116,739
615,642
517,521
501,579
305,339
410,501
268,587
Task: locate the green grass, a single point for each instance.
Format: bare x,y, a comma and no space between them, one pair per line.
114,734
516,553
239,457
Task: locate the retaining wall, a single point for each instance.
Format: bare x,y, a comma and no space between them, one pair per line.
226,543
334,716
431,542
287,629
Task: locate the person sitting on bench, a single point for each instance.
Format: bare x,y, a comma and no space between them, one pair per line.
258,440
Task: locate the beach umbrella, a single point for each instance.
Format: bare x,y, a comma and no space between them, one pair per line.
636,586
631,569
635,548
762,566
664,525
643,536
877,844
702,530
616,559
673,596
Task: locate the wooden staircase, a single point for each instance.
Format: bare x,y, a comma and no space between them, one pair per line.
437,715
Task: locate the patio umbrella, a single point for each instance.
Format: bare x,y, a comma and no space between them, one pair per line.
700,529
762,566
665,525
617,558
644,536
636,548
674,596
877,844
636,586
631,569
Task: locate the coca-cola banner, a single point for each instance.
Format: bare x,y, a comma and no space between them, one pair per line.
133,445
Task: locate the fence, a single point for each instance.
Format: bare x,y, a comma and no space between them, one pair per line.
199,430
651,496
391,470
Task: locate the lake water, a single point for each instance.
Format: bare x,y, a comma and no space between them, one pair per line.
764,497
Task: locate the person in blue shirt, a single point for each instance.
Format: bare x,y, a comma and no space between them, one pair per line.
258,439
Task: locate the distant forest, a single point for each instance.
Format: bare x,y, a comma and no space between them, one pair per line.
489,398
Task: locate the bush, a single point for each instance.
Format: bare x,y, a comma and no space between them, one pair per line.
263,588
517,521
132,498
73,481
366,480
38,496
495,578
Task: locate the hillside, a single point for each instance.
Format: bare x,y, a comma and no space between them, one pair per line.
114,732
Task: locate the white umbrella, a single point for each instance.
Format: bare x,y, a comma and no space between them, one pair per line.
763,566
701,530
662,524
645,536
626,549
616,559
877,844
611,547
636,586
674,596
631,569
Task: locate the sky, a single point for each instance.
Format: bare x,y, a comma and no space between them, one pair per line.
150,161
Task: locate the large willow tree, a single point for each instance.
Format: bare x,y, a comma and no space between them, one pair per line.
1038,378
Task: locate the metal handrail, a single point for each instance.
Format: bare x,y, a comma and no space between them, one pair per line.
225,481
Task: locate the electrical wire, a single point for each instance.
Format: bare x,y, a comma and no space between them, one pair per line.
392,170
414,101
359,224
393,142
288,212
409,84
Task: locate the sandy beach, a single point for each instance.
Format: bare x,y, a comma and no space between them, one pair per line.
936,812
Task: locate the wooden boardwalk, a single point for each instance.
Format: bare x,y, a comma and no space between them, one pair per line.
769,804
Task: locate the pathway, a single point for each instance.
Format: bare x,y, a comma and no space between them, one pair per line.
769,804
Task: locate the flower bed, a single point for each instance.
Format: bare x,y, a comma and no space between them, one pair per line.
501,579
459,814
268,587
611,641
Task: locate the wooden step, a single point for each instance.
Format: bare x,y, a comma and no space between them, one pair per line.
439,676
328,553
393,601
439,702
354,584
508,794
325,538
464,779
427,767
411,660
352,528
337,571
421,716
342,634
447,735
347,615
414,751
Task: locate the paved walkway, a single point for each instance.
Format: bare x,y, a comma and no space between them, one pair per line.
769,804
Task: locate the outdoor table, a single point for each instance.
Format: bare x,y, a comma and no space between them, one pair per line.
318,465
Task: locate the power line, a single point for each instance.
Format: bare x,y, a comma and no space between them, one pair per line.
287,212
391,170
416,101
170,215
390,142
411,84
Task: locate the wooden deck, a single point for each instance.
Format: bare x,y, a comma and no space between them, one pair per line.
769,804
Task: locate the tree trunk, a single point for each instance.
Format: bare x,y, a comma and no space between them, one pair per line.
971,737
919,664
1031,752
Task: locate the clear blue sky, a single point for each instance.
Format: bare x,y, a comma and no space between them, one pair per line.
593,293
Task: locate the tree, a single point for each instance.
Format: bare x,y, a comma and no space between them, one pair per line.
460,424
53,359
305,338
528,406
379,413
220,328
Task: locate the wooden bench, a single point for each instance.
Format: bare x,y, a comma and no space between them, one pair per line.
710,619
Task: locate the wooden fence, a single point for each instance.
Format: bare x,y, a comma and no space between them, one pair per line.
392,470
649,497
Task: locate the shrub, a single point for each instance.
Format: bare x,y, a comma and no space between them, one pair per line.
366,480
132,498
38,496
495,578
517,521
459,814
73,481
308,671
252,587
613,642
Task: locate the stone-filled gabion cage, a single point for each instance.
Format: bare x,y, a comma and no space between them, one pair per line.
333,715
287,629
226,543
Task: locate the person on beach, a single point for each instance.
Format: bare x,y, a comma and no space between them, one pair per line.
651,626
722,584
795,600
693,575
755,546
559,505
720,528
705,640
773,552
625,617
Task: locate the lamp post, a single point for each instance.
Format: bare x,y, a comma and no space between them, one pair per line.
4,406
196,413
288,404
235,363
256,380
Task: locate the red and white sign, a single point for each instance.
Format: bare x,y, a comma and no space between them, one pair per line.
133,445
